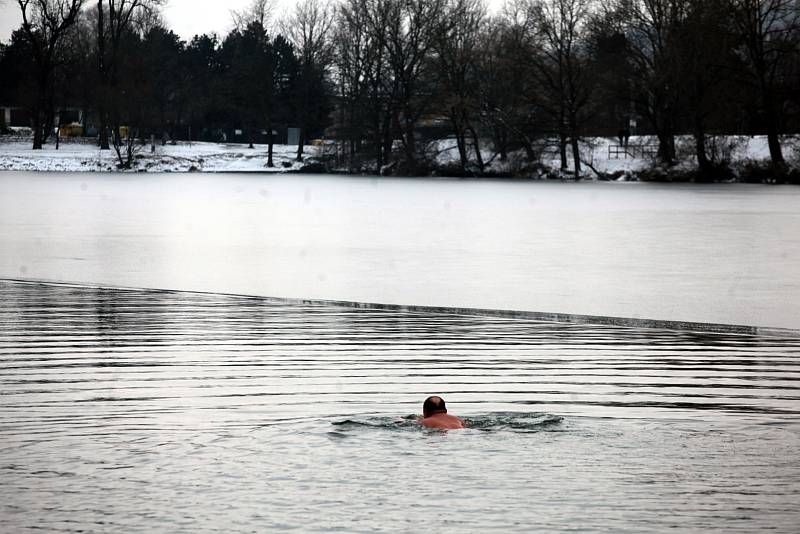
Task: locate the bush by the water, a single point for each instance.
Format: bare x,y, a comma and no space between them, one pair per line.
756,172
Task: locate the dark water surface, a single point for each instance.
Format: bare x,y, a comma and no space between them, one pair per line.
147,411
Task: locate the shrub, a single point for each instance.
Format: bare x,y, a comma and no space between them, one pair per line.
756,172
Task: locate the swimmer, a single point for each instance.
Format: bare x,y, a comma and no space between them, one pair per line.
434,415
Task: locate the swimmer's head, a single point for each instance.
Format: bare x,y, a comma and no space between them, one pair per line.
433,405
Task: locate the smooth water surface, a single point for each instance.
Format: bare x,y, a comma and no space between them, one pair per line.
718,253
147,411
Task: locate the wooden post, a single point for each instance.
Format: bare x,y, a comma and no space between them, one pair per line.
152,143
58,129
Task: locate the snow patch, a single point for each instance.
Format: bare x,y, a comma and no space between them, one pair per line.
16,154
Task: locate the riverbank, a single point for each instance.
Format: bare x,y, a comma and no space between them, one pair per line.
742,159
735,159
83,155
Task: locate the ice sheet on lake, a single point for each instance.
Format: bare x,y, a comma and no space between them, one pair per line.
716,253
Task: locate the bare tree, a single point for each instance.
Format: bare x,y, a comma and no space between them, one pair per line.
383,88
115,20
309,28
564,69
653,28
707,83
355,63
768,30
259,11
411,30
508,97
457,48
384,65
46,23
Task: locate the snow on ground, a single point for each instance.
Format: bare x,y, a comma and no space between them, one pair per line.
736,149
83,155
595,150
74,156
598,152
606,156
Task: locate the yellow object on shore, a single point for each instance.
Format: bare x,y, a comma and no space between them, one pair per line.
71,130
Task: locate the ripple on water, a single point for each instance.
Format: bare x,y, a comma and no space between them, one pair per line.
176,412
510,421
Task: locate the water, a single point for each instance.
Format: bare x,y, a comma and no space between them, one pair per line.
717,253
147,411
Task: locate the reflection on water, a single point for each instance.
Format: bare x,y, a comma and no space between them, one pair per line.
149,411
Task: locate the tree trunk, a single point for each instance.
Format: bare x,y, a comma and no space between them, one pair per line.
500,141
666,149
389,125
378,143
666,139
48,117
411,148
476,144
270,142
101,47
529,152
103,132
37,128
562,150
703,164
775,150
38,111
576,155
460,141
300,143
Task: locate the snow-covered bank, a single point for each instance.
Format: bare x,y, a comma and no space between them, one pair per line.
602,158
76,156
734,151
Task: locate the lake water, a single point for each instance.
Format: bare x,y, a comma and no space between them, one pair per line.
717,253
172,411
150,411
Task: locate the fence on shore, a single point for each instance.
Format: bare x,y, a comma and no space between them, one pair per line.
632,151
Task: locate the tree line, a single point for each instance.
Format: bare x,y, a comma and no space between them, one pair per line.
118,61
390,82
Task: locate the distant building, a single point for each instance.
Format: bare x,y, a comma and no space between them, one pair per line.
15,116
293,136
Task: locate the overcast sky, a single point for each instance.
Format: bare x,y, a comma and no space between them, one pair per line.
185,17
